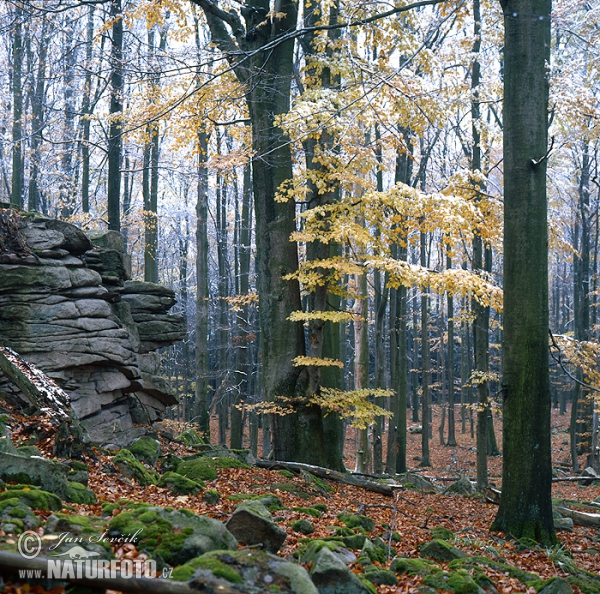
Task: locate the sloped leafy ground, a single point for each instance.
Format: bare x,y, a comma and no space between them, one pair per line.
412,514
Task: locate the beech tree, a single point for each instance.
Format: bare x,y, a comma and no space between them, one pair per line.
526,504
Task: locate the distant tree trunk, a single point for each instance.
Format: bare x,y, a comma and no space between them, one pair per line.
115,131
582,408
37,124
450,364
425,363
202,403
243,355
361,367
16,198
525,505
67,184
482,313
86,110
222,346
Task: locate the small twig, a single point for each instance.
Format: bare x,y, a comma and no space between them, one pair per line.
537,162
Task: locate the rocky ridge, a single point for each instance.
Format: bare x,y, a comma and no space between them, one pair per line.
68,306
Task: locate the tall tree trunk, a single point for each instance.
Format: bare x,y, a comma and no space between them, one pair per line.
450,365
525,505
202,403
361,367
115,130
425,363
16,197
243,354
38,119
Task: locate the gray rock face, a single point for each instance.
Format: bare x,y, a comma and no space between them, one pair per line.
557,586
252,524
332,576
66,306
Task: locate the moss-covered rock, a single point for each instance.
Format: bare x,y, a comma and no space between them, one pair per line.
77,525
320,484
171,536
381,577
180,485
252,523
357,520
302,526
442,533
211,496
459,582
190,437
440,550
79,493
203,468
146,450
291,488
170,463
130,467
476,562
331,574
311,511
32,497
28,450
46,474
286,473
413,567
16,516
257,570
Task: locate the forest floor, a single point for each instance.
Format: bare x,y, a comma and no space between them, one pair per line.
411,513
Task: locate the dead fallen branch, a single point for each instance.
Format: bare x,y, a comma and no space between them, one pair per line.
579,517
12,562
333,475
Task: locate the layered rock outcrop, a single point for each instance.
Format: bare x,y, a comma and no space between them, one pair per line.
67,306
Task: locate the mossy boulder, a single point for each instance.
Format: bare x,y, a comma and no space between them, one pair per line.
302,526
332,576
442,533
413,567
171,536
479,561
28,450
381,577
440,550
357,520
459,582
557,586
16,516
190,437
372,552
32,497
130,467
180,485
252,523
311,511
256,570
79,493
146,450
77,525
211,496
463,486
203,468
46,474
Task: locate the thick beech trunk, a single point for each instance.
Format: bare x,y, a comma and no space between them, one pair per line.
526,504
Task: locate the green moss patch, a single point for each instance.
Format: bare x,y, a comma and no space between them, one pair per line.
211,496
171,536
442,533
459,582
302,526
414,567
211,561
514,572
130,467
181,485
146,450
310,511
204,468
79,493
356,521
190,437
32,497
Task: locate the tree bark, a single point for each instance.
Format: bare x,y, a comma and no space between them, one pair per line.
526,505
115,139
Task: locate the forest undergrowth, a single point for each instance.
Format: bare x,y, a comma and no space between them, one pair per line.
411,513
